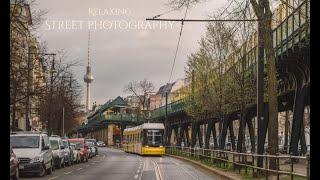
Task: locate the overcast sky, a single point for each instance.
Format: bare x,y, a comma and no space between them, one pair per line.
122,55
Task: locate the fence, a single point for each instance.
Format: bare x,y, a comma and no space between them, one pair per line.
238,161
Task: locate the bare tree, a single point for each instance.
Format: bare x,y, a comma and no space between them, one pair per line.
140,90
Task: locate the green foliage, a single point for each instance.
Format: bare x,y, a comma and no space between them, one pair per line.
218,89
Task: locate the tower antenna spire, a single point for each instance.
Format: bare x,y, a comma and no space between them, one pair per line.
89,48
88,78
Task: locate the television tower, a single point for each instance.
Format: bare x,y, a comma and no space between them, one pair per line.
88,78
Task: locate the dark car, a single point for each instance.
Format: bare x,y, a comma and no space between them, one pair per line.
14,165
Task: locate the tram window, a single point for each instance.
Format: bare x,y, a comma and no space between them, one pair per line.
153,137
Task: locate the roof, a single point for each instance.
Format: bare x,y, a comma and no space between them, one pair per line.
146,126
165,88
118,102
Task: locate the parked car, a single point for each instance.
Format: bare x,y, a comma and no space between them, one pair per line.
92,149
14,165
82,147
68,154
33,152
57,151
76,153
90,152
94,144
101,144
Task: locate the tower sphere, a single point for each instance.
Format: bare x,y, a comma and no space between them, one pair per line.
88,78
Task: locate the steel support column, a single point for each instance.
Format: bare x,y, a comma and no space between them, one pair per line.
193,134
251,132
241,132
297,120
225,122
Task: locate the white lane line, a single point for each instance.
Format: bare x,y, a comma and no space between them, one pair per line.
157,170
138,171
53,178
87,165
136,176
68,172
79,169
142,169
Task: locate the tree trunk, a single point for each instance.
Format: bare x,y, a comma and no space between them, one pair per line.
272,89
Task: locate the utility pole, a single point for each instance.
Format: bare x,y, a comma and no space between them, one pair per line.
28,127
63,121
166,120
52,70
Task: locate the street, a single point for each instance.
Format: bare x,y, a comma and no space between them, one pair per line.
116,164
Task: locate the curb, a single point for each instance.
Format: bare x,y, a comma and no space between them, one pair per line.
215,171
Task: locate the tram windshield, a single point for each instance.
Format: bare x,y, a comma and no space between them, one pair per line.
153,137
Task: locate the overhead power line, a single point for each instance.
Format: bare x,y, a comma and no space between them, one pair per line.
203,20
177,48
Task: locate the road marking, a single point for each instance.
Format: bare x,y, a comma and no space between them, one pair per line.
79,169
87,165
53,178
157,170
138,171
136,176
92,163
68,172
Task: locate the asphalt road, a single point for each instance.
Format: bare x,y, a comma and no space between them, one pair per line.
117,165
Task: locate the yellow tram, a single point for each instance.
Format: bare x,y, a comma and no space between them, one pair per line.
145,139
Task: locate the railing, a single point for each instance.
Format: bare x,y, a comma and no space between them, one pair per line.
173,107
238,161
122,117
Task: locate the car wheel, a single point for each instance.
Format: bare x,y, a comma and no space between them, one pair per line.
49,171
87,159
53,166
60,164
42,171
16,176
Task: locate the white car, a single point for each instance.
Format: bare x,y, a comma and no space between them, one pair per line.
76,153
57,151
33,152
101,144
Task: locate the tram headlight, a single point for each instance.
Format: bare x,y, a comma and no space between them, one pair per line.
146,146
161,146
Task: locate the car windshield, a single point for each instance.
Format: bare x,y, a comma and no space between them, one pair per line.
78,145
54,144
24,141
65,143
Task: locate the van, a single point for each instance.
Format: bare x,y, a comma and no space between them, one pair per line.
33,152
